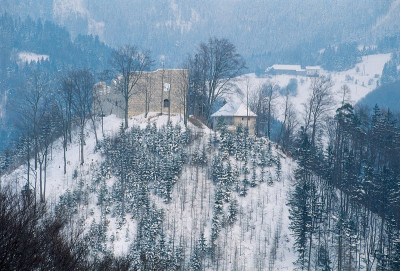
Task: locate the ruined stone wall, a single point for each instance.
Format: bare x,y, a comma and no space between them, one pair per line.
159,85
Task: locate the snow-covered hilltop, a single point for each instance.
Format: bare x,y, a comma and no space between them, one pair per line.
230,191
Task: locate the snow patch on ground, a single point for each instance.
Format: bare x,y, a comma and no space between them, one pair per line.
28,57
361,80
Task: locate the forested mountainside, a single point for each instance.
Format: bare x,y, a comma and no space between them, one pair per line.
30,45
160,196
386,96
286,30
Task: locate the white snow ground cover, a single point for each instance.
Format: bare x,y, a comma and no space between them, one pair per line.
28,57
361,80
259,240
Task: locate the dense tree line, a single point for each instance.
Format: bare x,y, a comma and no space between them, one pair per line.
347,198
390,71
42,38
46,109
340,57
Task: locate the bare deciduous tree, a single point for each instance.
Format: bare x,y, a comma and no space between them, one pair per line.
213,69
67,93
146,88
317,105
61,114
345,94
129,63
82,82
289,123
262,103
183,90
30,111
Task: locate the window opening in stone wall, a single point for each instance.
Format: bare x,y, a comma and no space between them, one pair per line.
167,87
166,103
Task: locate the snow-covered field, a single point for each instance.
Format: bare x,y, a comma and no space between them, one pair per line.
361,80
259,240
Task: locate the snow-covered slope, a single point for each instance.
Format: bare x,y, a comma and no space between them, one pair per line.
57,182
361,80
259,239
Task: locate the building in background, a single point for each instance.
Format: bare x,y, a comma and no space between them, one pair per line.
295,70
286,69
231,115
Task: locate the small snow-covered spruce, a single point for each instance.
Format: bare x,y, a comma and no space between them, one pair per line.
324,261
243,188
239,143
196,260
270,158
262,164
278,167
226,143
253,182
217,169
97,238
232,212
217,220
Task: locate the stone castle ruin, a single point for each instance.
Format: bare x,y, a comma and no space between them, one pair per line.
160,91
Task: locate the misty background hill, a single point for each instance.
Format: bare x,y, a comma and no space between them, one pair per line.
263,31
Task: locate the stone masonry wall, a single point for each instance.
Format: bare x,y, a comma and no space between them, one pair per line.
160,85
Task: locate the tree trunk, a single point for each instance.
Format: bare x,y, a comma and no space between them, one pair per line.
269,119
169,101
45,174
162,90
313,132
185,115
102,124
95,130
126,112
82,144
69,122
145,104
29,163
40,181
65,152
309,253
36,152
